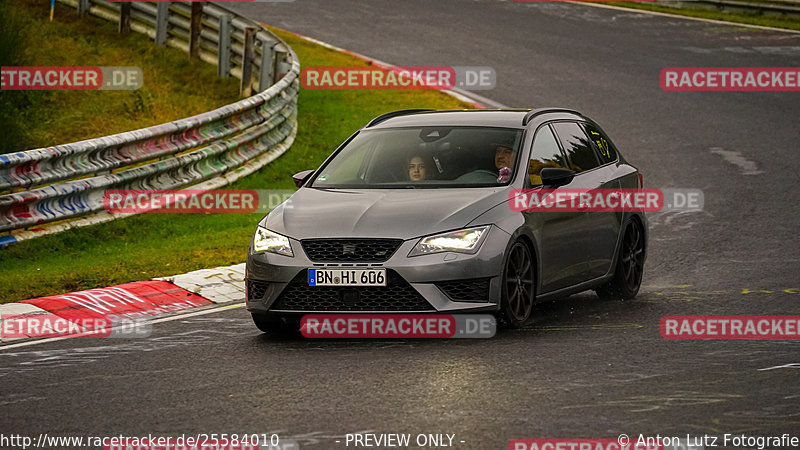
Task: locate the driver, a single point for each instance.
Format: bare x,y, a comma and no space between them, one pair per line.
503,157
504,161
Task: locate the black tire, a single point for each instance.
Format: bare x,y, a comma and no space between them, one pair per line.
519,287
630,266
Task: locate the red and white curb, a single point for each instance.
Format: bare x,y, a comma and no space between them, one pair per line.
139,299
218,285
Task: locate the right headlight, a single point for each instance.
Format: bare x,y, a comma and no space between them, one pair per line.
467,240
269,241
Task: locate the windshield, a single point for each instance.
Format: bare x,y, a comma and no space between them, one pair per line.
424,157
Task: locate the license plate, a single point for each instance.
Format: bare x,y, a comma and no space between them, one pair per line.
347,277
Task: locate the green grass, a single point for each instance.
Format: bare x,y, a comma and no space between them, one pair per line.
152,245
785,22
173,88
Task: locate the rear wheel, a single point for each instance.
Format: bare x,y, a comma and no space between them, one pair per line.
516,304
630,266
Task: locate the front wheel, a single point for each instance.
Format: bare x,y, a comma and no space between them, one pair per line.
516,304
630,266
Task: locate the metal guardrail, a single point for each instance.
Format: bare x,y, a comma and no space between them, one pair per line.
212,148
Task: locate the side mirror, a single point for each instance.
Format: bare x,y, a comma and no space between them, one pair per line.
301,177
552,176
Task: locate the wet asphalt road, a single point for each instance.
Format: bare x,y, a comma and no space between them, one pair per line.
585,368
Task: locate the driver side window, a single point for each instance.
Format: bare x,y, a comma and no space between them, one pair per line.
545,153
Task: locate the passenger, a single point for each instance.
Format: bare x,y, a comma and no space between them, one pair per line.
416,169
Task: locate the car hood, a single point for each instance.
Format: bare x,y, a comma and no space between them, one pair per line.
391,213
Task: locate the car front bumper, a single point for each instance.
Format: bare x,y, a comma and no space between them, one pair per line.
442,282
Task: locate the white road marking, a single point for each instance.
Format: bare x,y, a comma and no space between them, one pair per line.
678,16
747,166
14,309
785,366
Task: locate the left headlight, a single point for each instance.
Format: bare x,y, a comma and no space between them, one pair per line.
467,240
267,241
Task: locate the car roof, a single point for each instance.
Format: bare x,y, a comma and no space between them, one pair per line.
504,118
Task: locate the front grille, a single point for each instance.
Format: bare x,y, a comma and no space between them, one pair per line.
350,250
466,290
397,295
256,289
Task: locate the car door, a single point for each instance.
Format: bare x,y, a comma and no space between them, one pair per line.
606,224
593,244
555,229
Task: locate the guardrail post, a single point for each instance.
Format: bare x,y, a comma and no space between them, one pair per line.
224,49
195,27
83,7
267,70
124,17
280,57
161,23
246,88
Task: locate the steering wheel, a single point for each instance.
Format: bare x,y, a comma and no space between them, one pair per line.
478,176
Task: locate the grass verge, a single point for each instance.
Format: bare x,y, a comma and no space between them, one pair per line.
151,245
33,119
788,23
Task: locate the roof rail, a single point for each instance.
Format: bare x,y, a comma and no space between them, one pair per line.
389,115
528,117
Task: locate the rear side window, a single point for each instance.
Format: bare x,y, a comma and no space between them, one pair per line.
604,146
580,153
545,153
